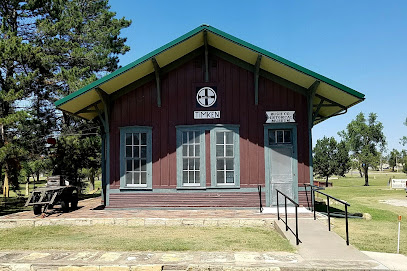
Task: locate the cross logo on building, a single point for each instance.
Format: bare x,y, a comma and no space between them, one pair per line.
206,97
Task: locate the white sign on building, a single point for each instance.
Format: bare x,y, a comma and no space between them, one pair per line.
206,115
280,116
398,183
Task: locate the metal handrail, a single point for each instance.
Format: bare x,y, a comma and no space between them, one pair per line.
306,191
261,205
329,216
286,221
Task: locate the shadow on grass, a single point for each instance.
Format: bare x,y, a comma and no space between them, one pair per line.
321,207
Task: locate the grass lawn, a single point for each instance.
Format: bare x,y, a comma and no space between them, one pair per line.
112,238
380,233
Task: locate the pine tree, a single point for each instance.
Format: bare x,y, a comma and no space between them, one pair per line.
20,71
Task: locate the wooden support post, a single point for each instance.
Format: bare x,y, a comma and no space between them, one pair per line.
256,80
206,56
157,80
315,114
104,97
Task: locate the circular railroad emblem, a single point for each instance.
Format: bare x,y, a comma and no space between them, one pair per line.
206,97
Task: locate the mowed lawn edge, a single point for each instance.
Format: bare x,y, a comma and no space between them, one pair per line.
126,238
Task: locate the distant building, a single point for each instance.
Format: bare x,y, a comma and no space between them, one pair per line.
206,119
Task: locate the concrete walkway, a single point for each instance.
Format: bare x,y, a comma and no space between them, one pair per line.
326,250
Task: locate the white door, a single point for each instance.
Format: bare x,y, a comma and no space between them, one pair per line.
282,164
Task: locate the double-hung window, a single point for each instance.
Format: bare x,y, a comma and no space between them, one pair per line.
190,157
225,160
135,155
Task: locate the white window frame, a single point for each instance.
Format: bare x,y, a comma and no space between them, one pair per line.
180,157
123,159
236,154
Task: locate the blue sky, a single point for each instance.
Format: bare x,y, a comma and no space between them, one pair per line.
361,44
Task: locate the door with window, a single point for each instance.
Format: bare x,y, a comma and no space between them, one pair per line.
281,162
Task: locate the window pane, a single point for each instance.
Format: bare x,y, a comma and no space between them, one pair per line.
184,150
136,152
136,138
129,178
196,137
280,137
185,177
229,150
220,164
229,138
197,177
143,152
143,139
230,177
143,165
197,164
191,177
191,164
219,150
197,150
128,152
143,178
191,137
184,164
191,150
129,165
136,165
220,177
136,177
219,138
229,164
128,139
287,136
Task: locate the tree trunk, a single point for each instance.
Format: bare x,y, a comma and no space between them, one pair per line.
92,181
38,176
366,168
27,186
6,186
326,182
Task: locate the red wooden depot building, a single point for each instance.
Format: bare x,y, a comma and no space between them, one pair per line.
204,120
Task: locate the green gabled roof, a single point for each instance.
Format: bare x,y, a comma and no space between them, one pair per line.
328,89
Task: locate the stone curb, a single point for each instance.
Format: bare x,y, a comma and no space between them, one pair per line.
146,222
152,267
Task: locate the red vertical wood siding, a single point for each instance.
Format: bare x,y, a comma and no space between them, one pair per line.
235,87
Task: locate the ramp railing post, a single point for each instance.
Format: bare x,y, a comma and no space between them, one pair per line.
286,220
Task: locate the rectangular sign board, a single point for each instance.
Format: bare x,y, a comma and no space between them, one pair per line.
280,116
398,183
206,115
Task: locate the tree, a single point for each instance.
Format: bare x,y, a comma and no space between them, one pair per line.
324,157
394,158
21,64
364,137
342,159
81,39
